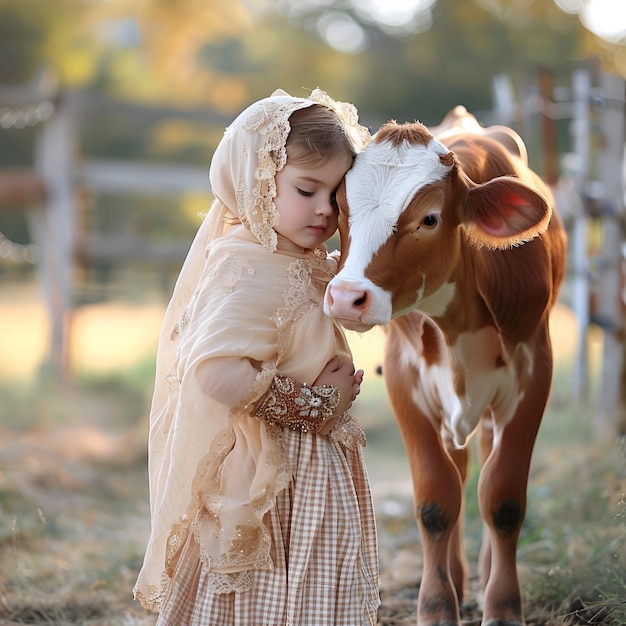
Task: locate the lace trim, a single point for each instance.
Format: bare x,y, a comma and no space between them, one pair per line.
257,209
348,116
229,271
348,432
227,583
174,546
297,295
250,545
156,595
248,549
295,406
211,467
307,278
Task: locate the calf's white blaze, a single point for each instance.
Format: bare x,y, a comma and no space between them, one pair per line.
380,185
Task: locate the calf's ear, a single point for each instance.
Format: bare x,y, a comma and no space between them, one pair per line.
503,213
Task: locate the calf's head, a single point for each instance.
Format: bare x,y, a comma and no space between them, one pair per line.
407,210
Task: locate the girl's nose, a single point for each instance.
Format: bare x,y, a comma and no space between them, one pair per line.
325,207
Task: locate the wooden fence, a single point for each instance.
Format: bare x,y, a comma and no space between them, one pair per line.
49,191
591,198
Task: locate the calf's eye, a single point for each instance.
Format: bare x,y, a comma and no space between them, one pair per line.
430,220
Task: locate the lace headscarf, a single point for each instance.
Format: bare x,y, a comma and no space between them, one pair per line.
253,150
182,427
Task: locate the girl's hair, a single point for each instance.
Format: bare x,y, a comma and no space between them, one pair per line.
316,134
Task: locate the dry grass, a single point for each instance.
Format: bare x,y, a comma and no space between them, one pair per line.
75,519
73,487
74,515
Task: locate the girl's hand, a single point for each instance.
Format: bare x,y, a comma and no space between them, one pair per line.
347,380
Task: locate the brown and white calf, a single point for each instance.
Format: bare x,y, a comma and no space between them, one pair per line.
454,246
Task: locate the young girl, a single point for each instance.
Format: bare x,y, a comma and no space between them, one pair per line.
260,502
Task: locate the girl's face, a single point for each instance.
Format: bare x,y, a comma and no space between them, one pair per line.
305,200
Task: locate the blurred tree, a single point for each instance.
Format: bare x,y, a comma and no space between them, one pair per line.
194,48
21,44
219,55
400,60
453,61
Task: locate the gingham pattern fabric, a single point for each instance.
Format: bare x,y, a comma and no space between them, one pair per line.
324,552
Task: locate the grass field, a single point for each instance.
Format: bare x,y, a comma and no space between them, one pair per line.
73,485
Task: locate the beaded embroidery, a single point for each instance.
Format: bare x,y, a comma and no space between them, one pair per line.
299,407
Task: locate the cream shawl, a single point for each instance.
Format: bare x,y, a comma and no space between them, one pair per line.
214,470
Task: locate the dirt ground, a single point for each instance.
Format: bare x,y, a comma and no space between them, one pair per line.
75,519
74,514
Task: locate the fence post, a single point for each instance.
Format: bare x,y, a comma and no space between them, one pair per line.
609,309
548,126
52,226
581,86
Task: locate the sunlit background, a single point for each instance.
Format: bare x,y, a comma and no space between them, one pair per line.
109,113
156,82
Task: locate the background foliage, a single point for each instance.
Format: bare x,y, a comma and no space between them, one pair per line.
223,54
403,60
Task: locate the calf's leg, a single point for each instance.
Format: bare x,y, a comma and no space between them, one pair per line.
485,445
459,568
438,494
502,500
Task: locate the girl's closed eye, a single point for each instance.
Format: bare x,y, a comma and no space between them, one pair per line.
333,201
302,192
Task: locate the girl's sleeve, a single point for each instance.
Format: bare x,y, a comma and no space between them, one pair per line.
226,380
296,405
229,330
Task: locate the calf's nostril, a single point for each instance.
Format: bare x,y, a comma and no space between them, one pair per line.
361,300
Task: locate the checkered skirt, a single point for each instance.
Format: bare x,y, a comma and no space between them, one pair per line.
324,552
